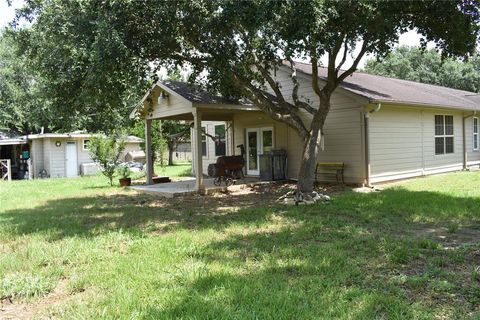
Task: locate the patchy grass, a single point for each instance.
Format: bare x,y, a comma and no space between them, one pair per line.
183,169
410,251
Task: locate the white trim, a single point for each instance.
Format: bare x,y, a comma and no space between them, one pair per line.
259,131
444,135
225,138
475,134
204,128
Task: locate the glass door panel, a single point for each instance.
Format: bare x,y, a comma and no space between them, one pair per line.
252,151
267,140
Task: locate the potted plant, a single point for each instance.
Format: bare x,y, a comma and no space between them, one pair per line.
125,179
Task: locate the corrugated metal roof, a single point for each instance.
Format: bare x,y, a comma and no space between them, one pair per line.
384,89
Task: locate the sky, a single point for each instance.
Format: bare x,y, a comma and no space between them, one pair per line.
410,38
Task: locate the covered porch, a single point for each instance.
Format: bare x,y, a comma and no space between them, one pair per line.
172,100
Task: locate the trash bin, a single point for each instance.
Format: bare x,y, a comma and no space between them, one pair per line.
273,165
266,171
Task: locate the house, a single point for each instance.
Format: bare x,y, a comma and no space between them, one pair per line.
382,128
54,154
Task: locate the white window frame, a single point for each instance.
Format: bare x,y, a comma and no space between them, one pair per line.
215,134
83,144
444,136
204,129
475,134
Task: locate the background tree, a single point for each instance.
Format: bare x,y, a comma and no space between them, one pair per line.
428,66
106,151
159,144
233,47
22,107
92,79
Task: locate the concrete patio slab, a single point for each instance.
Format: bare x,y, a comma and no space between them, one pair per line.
187,186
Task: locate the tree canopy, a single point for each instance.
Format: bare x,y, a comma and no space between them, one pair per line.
22,107
428,66
91,50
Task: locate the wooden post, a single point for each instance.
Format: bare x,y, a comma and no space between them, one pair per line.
148,150
6,163
197,120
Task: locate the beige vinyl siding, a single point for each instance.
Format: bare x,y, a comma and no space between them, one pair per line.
343,131
342,143
402,143
82,155
173,105
47,146
210,157
57,157
37,155
473,156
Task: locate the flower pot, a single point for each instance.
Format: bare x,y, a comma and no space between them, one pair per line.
125,182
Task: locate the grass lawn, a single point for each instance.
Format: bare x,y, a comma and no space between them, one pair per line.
79,249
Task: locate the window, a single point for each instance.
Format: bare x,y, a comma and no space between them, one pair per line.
220,141
443,134
85,144
204,143
475,133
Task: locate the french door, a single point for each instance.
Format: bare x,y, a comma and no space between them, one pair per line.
259,141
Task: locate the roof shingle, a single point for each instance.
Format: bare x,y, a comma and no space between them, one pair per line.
384,89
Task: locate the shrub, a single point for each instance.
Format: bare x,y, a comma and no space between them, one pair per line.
106,151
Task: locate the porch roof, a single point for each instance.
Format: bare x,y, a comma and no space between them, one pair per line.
13,141
179,100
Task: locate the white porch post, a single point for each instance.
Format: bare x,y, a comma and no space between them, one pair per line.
148,150
197,121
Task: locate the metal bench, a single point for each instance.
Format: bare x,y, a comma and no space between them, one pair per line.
331,169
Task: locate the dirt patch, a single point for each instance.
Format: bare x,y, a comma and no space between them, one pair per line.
10,309
463,235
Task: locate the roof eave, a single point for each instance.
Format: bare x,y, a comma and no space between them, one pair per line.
423,105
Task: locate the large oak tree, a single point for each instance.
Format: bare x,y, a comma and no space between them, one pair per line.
239,44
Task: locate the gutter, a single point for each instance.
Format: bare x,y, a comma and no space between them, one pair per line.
423,105
465,153
366,117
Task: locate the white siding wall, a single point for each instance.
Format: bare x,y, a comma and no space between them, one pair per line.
37,156
46,155
210,157
473,156
173,105
402,143
57,157
82,155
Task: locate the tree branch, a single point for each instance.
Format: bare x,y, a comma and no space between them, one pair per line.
265,104
344,58
296,85
315,84
353,68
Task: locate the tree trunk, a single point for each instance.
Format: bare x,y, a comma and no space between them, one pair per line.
170,157
306,176
311,149
171,147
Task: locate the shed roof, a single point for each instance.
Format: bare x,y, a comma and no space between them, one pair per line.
24,139
384,89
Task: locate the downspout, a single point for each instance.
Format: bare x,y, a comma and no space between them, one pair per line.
367,142
465,153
